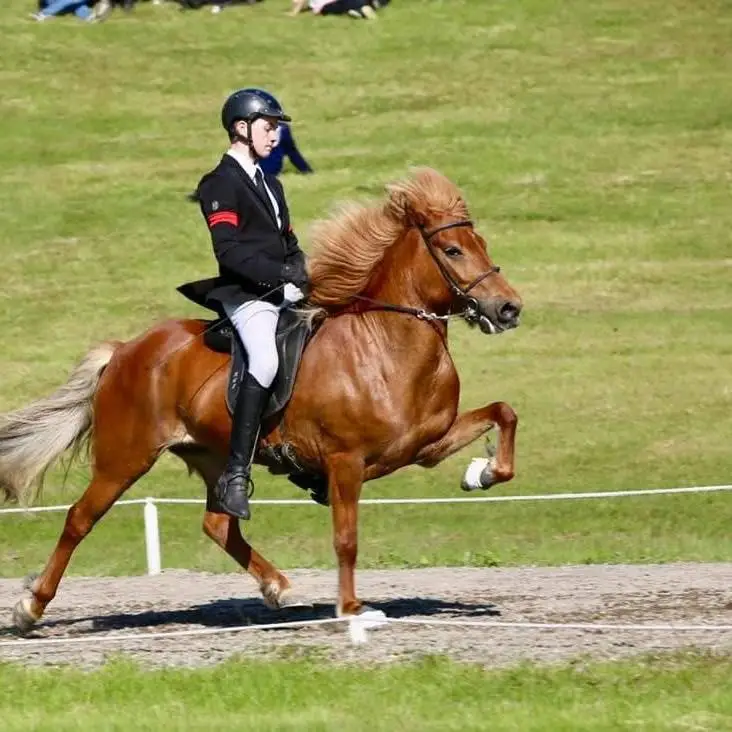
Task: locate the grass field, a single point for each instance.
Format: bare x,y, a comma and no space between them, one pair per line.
592,141
683,692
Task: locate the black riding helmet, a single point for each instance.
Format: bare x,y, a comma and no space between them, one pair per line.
248,105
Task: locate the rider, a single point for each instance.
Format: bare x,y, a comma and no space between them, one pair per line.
261,270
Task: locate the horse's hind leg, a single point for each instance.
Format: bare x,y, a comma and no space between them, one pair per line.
225,531
117,467
125,445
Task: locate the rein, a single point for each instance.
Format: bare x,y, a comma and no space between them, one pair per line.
471,309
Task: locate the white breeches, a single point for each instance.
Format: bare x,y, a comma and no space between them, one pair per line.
256,324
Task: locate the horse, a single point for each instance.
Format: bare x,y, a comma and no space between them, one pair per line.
375,390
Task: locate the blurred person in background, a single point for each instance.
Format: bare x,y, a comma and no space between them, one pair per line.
285,148
82,9
360,9
216,5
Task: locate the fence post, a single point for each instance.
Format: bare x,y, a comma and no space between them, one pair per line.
152,536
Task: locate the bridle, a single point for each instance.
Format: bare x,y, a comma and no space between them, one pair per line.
470,307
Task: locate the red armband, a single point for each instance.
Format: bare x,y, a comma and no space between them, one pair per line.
223,217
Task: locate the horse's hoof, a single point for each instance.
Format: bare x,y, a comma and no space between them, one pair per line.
23,617
276,598
30,580
487,476
271,595
365,612
479,475
368,614
291,599
367,618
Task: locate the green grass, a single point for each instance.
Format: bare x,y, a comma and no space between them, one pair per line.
592,141
676,692
658,529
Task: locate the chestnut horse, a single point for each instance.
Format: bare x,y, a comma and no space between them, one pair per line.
376,388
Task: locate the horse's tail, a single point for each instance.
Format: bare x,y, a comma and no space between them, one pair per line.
33,437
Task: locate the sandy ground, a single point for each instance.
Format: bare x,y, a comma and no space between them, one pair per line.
93,608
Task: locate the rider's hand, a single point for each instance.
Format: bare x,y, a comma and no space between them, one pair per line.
292,293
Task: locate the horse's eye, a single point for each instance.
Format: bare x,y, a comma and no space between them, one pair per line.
454,252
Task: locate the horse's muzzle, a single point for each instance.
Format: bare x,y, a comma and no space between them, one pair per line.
498,314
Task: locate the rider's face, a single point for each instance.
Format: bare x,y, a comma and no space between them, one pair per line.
264,135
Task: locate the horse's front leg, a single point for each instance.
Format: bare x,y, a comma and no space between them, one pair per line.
345,478
468,427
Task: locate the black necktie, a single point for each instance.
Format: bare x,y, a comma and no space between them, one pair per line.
259,183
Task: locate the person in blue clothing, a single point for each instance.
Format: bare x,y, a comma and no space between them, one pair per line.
82,9
285,147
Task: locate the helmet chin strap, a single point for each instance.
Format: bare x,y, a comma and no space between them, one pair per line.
250,144
248,141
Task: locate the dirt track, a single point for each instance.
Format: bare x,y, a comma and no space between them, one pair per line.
177,600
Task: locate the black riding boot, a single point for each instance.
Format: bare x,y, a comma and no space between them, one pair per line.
235,484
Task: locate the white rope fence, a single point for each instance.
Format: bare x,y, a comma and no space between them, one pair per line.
152,527
358,627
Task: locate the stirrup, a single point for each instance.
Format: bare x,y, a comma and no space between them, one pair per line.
241,495
250,487
248,492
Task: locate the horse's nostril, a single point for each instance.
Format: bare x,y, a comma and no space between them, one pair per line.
509,311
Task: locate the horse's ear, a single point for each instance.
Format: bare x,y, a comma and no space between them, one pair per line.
396,202
400,207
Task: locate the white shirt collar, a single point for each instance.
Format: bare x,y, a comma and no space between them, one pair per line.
245,161
251,169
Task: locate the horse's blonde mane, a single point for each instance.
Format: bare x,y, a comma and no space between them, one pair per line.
348,246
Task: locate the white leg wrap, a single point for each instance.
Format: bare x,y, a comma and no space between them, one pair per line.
471,479
367,619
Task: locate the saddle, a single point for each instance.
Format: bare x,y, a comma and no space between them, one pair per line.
293,334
